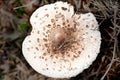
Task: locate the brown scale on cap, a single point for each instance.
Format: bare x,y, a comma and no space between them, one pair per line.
63,8
61,40
61,37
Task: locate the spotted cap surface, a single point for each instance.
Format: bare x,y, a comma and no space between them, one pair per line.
61,44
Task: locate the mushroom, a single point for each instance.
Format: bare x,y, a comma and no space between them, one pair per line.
61,44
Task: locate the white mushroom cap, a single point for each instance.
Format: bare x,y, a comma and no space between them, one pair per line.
61,44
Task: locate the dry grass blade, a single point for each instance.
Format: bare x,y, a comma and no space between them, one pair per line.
29,4
115,44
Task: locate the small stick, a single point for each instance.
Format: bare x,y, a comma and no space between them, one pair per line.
115,44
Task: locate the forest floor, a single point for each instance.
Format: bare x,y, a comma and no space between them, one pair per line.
15,26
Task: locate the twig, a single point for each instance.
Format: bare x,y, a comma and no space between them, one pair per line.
112,61
115,44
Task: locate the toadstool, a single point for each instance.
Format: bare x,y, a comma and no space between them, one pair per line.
61,44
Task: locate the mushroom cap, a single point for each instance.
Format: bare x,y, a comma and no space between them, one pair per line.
75,53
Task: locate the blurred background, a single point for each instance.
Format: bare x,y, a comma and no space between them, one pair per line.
15,26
